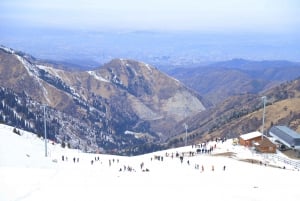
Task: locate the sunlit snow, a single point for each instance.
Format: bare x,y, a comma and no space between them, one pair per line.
50,70
66,174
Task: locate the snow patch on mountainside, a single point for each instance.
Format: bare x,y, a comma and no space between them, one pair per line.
53,71
97,77
148,66
33,71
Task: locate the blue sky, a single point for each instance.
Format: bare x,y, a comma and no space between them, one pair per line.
164,15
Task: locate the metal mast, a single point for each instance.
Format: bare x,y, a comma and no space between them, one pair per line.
45,132
186,127
263,120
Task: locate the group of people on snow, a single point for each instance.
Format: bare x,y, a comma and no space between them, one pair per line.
202,148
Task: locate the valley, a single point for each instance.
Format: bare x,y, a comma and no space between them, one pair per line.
130,107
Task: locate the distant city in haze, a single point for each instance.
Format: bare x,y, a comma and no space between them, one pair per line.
159,32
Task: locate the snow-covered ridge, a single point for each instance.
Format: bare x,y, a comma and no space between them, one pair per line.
31,69
9,50
54,74
96,76
148,66
51,76
132,69
51,70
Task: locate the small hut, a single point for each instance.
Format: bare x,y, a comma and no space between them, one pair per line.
250,138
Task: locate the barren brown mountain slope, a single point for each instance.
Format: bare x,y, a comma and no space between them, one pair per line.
105,109
243,114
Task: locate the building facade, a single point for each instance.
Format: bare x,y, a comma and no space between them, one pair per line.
286,136
265,146
249,139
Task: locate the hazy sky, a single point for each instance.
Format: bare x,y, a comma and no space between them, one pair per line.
199,15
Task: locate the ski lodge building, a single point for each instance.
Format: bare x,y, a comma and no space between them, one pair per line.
286,136
257,140
249,139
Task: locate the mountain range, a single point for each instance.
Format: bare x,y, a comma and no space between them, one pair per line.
243,113
130,107
120,106
218,81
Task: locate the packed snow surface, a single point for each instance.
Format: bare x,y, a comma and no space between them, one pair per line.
66,174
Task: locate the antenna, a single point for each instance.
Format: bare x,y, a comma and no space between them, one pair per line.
186,127
45,132
263,119
185,124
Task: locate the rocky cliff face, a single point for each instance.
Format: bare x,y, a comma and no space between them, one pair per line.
119,107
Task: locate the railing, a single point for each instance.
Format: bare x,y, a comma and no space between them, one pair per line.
287,161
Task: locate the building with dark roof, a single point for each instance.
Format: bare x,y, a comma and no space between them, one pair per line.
265,146
286,136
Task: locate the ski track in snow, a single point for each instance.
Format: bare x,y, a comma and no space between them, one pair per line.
27,175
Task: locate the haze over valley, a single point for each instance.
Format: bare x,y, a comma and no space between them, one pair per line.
165,34
85,49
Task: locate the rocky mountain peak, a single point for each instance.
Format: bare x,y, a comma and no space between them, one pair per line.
122,104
